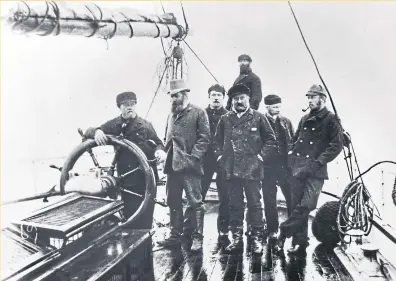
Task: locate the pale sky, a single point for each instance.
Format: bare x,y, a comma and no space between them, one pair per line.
50,86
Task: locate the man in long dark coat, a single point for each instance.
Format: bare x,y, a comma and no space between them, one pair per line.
142,133
319,140
276,169
187,140
214,110
243,138
250,79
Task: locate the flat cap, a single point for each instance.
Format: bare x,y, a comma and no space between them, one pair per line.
245,57
316,90
125,96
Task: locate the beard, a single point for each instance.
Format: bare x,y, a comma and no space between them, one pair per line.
243,69
177,106
316,106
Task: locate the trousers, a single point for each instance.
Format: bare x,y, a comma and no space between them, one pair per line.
272,179
251,188
304,199
191,184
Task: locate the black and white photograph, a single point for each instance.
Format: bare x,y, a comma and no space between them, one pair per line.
198,140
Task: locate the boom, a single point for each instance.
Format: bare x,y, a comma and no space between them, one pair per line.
89,20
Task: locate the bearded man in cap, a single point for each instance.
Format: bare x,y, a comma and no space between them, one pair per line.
215,110
318,141
243,140
141,132
249,79
187,140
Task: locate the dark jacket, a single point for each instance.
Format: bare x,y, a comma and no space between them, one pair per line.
284,133
253,82
318,141
240,140
214,118
187,139
139,131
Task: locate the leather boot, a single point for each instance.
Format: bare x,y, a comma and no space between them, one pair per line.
237,241
176,225
189,222
257,240
198,233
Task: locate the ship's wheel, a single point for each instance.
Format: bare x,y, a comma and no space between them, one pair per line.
111,184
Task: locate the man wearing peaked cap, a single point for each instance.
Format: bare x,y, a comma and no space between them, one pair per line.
243,139
250,79
187,138
318,141
317,90
142,133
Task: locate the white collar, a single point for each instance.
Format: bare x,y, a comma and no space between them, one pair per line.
240,114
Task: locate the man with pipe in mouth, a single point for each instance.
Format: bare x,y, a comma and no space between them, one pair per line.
243,139
142,133
318,141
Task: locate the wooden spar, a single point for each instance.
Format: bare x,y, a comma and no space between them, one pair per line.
51,18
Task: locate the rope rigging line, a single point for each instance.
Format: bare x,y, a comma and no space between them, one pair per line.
356,213
156,91
200,60
330,97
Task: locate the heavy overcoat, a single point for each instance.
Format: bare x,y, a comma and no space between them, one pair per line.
318,141
139,131
286,132
187,140
240,140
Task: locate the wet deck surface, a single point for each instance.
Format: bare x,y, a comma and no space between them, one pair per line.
213,264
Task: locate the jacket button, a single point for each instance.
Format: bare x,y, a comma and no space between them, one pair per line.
305,128
313,129
307,156
311,142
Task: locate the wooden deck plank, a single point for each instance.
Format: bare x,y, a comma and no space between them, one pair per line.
215,265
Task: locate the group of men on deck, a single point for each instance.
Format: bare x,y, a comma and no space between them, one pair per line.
251,153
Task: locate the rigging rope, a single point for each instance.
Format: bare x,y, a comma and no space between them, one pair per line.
356,213
156,91
200,60
330,97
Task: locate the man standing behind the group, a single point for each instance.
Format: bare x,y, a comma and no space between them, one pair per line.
276,169
249,79
187,140
215,110
243,137
319,140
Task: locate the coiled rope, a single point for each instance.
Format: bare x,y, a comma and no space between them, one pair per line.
356,211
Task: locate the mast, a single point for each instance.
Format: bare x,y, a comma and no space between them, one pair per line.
89,20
